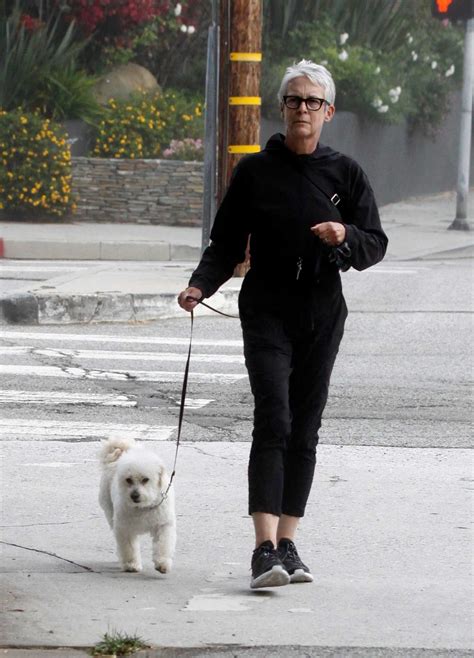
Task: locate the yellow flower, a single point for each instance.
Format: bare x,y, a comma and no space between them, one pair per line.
23,120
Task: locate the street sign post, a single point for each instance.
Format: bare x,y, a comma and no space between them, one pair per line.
462,10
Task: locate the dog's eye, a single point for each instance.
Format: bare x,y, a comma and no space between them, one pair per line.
145,480
129,481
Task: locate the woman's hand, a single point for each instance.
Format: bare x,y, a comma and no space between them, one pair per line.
189,298
331,233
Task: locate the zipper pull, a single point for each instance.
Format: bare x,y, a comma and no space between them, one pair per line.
299,266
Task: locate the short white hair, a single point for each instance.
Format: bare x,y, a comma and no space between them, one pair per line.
317,73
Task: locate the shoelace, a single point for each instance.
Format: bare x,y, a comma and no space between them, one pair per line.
291,552
265,551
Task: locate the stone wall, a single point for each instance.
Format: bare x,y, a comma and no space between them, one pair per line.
145,191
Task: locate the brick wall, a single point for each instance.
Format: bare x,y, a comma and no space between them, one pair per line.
145,191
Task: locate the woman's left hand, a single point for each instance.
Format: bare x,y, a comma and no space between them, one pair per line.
331,233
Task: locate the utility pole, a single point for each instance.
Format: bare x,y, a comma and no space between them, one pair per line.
239,84
240,59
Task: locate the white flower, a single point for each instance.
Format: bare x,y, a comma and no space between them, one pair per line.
382,109
434,65
343,55
394,95
409,38
191,29
343,38
377,102
183,28
377,70
177,10
398,90
450,71
414,55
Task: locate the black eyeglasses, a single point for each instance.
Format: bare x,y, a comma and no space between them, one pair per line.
312,103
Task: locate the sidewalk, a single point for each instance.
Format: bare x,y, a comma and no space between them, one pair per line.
389,546
139,269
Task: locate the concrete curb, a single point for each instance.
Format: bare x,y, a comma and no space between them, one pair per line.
44,309
20,308
241,651
137,250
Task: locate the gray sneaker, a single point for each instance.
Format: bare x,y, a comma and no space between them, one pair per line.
299,572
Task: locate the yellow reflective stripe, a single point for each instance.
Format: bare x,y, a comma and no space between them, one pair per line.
244,148
245,100
245,57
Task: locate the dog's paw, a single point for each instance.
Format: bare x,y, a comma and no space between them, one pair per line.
132,567
164,565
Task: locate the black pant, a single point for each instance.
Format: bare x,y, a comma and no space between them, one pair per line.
289,368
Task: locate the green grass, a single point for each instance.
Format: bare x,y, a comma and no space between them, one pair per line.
119,644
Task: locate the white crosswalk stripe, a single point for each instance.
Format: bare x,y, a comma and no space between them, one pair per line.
124,356
62,397
50,430
120,375
103,338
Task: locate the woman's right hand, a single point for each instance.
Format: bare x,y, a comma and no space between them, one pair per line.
189,298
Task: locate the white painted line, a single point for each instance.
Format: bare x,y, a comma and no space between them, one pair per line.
58,397
35,430
119,375
124,356
104,338
195,403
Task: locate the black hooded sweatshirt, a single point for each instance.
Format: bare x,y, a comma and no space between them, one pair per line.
275,197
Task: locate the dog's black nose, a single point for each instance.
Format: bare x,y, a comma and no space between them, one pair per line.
135,496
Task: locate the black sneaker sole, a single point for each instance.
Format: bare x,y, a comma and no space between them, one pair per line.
301,576
276,577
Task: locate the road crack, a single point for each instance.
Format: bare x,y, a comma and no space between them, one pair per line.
38,550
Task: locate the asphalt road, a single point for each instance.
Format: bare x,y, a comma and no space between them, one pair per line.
402,377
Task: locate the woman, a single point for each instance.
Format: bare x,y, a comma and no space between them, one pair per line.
309,211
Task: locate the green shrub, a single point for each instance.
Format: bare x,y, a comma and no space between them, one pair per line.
403,70
39,70
144,125
68,93
35,176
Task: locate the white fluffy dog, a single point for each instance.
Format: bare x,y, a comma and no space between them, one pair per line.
131,495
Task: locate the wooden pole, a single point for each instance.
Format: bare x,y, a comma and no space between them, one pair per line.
239,78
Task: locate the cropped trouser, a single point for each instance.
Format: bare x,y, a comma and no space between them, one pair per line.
289,370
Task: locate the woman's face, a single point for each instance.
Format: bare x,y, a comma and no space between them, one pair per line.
303,125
